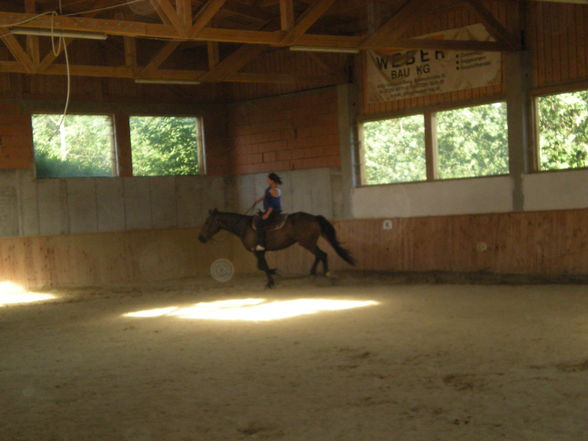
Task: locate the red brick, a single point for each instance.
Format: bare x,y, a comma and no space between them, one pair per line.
272,146
247,159
325,161
284,155
15,130
17,142
15,119
314,141
269,157
9,108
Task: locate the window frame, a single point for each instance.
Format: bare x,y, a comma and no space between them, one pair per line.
200,151
114,150
534,144
431,149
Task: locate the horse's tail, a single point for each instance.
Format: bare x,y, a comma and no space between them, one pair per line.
328,232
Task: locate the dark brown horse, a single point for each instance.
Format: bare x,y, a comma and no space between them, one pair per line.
299,227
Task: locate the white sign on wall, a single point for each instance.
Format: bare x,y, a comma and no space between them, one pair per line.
418,72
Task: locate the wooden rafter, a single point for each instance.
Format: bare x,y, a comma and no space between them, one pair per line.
469,45
308,18
494,27
286,15
17,51
168,14
50,58
130,52
398,24
162,55
127,72
205,15
184,12
233,63
213,54
32,41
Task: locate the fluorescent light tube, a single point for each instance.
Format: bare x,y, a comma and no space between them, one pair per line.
339,50
58,33
162,81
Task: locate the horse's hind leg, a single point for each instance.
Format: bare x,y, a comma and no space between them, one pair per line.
320,256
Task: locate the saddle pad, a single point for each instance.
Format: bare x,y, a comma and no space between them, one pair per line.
275,224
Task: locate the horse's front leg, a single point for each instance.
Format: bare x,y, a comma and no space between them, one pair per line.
262,266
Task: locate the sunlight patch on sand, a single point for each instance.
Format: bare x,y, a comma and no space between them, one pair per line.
255,310
13,294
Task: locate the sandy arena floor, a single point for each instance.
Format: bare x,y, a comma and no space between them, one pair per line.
419,362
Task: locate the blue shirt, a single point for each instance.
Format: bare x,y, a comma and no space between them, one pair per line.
271,201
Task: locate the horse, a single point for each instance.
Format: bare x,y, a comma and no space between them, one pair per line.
302,228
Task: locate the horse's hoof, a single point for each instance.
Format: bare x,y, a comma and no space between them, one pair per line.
328,275
270,285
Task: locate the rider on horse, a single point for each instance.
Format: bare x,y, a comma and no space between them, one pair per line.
272,207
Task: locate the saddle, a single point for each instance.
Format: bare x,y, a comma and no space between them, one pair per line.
276,223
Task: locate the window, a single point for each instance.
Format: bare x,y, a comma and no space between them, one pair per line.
461,143
81,146
165,145
394,150
472,141
562,126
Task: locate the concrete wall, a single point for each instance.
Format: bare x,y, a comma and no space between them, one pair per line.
539,191
30,207
303,190
484,195
556,190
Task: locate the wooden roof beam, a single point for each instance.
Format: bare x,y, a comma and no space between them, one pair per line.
128,73
205,15
161,56
50,58
308,18
184,13
393,29
125,28
19,54
286,15
232,63
494,27
168,15
32,41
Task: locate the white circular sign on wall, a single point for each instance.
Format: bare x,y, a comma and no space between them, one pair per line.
387,224
222,270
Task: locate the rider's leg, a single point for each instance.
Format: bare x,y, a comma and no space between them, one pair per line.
260,226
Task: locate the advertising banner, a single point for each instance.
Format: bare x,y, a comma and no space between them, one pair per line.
418,72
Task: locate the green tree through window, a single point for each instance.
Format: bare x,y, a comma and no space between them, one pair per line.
82,146
165,145
563,131
473,141
394,150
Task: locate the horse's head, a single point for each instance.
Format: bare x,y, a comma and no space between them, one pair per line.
210,227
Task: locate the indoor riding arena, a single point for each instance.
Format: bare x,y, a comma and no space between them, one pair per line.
439,149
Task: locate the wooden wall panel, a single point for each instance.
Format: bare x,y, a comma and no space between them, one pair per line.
542,244
114,258
284,133
558,35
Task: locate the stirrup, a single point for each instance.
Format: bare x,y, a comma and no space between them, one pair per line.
259,248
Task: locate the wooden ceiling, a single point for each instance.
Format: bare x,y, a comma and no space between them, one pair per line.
213,40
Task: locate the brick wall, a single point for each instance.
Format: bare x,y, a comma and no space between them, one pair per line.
15,137
284,133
